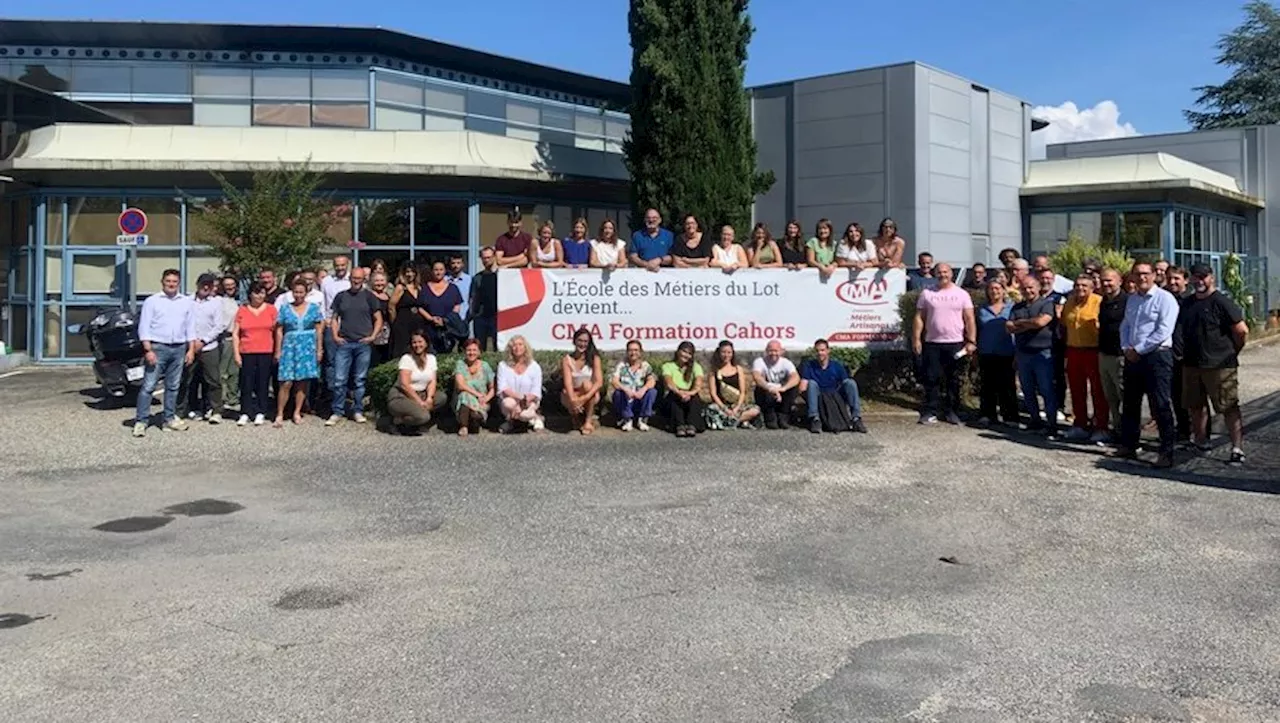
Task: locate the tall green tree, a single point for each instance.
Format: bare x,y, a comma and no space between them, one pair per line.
1251,96
691,149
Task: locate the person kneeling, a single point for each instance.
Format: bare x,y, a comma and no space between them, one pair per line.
520,387
831,394
415,395
682,377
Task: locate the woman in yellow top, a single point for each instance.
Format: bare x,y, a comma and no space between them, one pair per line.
1084,377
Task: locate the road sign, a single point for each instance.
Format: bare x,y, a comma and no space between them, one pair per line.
131,239
133,222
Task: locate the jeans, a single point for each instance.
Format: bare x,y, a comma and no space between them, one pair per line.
998,392
941,368
1152,376
1035,373
350,365
170,359
848,392
627,408
255,383
485,330
1112,370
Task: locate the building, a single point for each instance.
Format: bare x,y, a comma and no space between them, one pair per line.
433,144
942,156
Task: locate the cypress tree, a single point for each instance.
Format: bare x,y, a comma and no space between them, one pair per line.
691,149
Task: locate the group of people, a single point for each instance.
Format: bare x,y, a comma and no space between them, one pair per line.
1111,337
654,247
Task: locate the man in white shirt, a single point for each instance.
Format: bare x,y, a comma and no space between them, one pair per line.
209,322
165,329
777,385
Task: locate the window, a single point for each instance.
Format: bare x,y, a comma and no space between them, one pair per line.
383,222
161,79
164,219
151,266
53,77
343,231
445,98
493,222
615,132
341,98
439,223
104,78
340,115
210,82
78,344
19,318
1143,231
53,227
199,260
93,221
282,97
53,274
486,112
1095,228
557,126
21,276
397,119
399,90
1048,231
589,130
237,113
523,120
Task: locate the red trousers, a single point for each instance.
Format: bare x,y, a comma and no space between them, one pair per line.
1082,370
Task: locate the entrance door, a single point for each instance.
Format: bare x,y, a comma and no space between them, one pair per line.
98,276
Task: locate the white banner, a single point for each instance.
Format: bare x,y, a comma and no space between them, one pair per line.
749,307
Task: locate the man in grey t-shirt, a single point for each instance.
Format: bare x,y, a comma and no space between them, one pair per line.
356,321
1033,322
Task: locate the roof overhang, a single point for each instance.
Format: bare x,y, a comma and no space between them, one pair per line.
1129,173
178,149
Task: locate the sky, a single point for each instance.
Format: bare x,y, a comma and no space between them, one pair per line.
1095,68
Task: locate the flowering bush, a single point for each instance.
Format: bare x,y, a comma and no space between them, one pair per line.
281,221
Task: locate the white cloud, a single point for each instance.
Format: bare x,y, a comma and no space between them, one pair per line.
1069,123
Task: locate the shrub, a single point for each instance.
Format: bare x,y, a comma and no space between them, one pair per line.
1234,285
1068,260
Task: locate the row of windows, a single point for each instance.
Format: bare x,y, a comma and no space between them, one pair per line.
324,97
21,61
1139,230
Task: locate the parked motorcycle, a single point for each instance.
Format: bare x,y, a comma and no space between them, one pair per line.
119,361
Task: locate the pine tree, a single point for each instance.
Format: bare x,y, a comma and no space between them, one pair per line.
1251,96
691,149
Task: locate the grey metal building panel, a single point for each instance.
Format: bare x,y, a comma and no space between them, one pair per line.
771,117
900,151
1221,150
1007,140
950,146
979,161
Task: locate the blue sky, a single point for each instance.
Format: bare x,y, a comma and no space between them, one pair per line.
1142,55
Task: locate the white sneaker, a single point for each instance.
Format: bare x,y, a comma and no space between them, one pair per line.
538,424
259,420
212,418
1076,434
359,418
1062,418
642,424
176,425
139,429
243,421
626,425
192,415
333,420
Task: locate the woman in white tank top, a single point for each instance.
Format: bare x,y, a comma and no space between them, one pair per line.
547,252
608,251
726,254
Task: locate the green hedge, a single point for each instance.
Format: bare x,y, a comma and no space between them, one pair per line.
383,377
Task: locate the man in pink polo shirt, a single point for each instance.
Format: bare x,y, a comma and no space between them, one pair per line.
943,335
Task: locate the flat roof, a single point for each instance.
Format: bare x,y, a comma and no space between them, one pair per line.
1130,172
372,41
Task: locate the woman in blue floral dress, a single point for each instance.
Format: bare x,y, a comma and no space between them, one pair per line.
299,349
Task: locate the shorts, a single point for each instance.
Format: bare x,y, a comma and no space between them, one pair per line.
1220,387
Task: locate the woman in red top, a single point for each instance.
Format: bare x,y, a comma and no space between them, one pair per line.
253,338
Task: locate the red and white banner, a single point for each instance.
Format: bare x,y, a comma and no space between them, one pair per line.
749,307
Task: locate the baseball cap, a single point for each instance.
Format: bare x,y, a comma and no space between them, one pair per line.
207,279
1200,271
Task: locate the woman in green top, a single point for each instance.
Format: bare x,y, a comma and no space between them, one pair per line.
763,250
473,384
682,377
822,249
730,408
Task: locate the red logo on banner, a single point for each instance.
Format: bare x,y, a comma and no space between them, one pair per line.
863,292
536,290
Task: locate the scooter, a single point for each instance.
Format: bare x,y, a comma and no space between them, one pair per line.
119,361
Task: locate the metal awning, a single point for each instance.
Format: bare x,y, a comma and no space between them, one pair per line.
1131,172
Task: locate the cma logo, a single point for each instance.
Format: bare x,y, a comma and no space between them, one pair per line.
863,292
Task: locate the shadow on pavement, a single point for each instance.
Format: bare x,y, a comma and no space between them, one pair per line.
1260,473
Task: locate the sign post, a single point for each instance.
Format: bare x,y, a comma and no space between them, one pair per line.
133,226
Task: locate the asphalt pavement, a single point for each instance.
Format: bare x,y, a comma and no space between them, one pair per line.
922,574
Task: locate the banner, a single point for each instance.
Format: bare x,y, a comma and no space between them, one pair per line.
749,307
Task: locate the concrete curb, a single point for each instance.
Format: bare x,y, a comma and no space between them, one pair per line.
13,361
